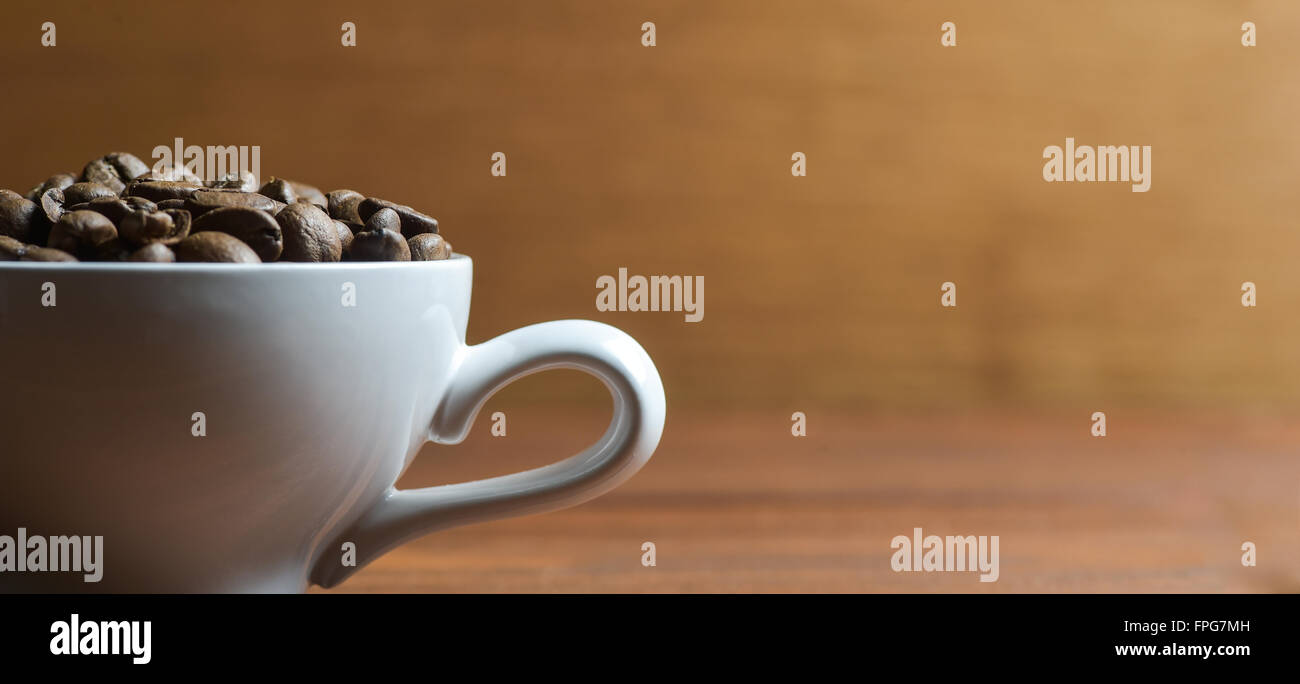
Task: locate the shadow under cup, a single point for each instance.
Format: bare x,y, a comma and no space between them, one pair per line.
234,428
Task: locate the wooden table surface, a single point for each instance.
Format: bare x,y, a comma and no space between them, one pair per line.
734,503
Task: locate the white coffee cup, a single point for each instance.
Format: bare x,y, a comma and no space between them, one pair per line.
231,428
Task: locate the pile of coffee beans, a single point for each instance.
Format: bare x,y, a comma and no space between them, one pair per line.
117,209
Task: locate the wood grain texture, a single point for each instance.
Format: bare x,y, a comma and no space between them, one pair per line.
735,504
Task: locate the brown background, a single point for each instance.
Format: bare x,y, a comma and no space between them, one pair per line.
924,166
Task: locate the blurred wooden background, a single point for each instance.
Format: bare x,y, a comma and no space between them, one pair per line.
924,166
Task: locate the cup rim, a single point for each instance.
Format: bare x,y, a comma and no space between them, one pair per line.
210,267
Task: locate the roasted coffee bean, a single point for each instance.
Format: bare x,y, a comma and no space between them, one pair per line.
258,229
117,209
345,235
11,249
413,222
20,218
58,180
309,193
46,254
383,245
279,190
137,203
112,208
215,246
101,172
81,232
379,244
309,233
155,252
342,205
243,182
384,219
160,190
86,191
114,170
169,176
142,227
182,222
52,202
429,247
128,165
112,250
204,201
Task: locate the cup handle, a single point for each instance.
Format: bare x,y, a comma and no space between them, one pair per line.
479,372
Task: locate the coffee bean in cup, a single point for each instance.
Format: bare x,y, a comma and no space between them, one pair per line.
381,239
119,210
